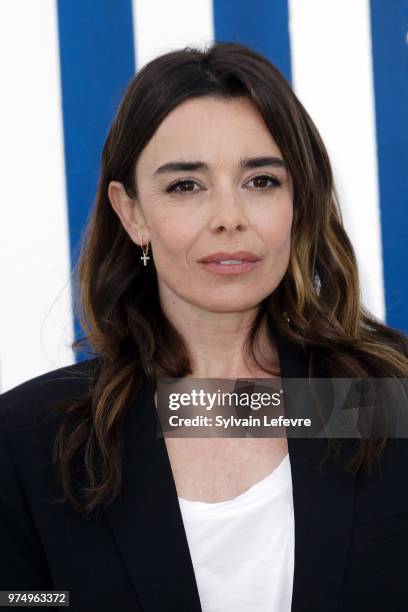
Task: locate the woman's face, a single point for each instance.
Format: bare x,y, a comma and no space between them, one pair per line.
212,180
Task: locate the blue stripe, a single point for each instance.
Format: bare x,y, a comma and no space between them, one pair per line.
389,26
97,61
260,24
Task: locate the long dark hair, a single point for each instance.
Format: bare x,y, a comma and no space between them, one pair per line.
117,300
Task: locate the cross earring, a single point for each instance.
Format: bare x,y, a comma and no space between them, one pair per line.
145,249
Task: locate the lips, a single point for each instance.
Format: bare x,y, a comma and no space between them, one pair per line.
224,256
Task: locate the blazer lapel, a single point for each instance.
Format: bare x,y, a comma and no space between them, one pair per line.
148,527
323,504
147,521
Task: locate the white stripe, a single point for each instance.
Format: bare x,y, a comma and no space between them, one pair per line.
35,333
333,78
163,26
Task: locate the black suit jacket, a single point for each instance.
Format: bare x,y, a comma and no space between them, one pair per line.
351,534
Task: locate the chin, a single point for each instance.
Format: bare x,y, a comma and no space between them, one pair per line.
230,305
228,300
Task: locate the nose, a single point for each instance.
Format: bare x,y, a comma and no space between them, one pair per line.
227,213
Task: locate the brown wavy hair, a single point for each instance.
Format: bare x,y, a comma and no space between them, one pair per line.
117,299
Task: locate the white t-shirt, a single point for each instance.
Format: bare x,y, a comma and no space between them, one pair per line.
242,549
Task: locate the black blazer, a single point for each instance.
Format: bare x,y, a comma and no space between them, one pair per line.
351,534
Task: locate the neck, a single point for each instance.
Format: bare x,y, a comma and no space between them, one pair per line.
216,342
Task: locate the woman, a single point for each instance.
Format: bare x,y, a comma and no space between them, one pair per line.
210,157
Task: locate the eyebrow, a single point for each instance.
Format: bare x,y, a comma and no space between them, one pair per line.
246,162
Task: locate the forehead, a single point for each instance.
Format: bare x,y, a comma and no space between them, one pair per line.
213,129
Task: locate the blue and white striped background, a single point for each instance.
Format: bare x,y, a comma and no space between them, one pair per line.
65,65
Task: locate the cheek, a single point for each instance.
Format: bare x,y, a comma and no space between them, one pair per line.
173,235
276,230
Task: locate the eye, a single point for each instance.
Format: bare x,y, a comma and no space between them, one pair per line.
183,187
186,186
262,180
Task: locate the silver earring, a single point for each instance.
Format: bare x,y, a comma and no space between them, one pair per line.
286,317
145,249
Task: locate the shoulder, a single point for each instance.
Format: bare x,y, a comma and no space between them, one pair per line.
30,399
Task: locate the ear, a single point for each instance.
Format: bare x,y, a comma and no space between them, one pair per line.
129,213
